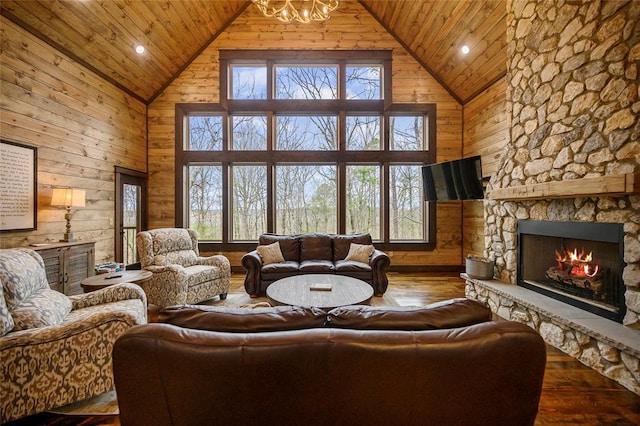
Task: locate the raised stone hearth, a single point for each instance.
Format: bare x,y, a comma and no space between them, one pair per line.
604,345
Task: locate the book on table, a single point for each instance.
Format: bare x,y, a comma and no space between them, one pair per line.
320,287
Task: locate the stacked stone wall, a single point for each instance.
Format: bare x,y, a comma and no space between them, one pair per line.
573,97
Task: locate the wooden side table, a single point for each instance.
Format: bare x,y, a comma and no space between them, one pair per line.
97,282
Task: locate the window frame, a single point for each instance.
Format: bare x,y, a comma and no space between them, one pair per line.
341,157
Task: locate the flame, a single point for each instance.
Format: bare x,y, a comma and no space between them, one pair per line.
579,263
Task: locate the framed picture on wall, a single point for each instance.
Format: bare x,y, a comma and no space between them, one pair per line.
18,186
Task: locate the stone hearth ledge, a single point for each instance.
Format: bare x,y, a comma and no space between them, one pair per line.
604,345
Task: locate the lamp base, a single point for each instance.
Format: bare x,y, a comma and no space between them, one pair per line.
68,238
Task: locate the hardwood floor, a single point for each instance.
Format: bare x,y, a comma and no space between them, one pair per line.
572,394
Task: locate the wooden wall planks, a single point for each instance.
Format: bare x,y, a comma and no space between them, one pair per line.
349,28
485,134
82,126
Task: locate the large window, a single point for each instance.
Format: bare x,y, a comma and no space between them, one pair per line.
305,142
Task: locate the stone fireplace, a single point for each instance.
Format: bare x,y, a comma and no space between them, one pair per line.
573,106
575,262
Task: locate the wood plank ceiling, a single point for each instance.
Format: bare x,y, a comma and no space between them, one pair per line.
102,36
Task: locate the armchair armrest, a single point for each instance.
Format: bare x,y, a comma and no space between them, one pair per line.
379,263
216,260
252,263
75,325
114,293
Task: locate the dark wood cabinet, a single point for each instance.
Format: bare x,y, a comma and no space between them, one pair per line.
67,264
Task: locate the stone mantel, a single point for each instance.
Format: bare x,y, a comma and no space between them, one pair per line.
608,185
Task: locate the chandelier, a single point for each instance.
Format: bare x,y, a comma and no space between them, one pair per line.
303,11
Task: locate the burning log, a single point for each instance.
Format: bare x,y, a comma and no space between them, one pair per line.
562,276
566,277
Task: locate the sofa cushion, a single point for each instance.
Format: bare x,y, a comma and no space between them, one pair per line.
6,320
453,313
351,266
42,308
21,274
342,243
244,320
270,253
317,266
289,245
359,253
282,267
316,247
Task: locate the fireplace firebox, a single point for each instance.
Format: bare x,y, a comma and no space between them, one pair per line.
579,263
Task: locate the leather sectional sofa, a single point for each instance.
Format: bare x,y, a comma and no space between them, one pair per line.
314,254
355,365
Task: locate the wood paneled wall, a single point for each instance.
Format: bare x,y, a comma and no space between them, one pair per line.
82,126
350,27
485,133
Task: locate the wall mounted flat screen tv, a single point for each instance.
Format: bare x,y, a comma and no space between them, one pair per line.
453,180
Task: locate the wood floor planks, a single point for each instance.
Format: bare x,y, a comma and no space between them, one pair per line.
572,393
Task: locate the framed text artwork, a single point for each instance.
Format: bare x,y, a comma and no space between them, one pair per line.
18,186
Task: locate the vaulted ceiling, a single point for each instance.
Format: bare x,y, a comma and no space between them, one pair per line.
102,35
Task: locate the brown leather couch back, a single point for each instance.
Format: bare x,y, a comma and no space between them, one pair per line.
485,374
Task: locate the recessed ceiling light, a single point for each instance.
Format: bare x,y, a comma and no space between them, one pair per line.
465,49
140,49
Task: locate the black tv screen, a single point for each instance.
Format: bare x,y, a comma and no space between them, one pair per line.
453,180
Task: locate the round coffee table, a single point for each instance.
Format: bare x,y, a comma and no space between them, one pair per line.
297,290
96,282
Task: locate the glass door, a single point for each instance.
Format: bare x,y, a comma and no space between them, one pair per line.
131,215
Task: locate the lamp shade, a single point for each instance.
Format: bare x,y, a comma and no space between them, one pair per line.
68,197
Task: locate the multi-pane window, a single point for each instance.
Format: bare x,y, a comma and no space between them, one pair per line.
305,142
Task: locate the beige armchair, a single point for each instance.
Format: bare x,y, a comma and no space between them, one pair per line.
54,349
180,274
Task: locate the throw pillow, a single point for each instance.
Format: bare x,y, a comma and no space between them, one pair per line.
44,307
359,253
270,253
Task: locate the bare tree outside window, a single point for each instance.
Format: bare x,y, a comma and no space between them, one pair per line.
249,132
248,82
363,200
306,82
363,82
406,204
363,132
205,133
305,133
406,132
306,199
205,201
249,201
130,196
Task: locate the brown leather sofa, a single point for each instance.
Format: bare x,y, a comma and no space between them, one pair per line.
314,254
354,366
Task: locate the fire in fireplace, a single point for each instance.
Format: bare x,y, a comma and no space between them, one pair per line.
579,263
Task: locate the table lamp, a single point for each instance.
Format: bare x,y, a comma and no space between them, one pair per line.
68,197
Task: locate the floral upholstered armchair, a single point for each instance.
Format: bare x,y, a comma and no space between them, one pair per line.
55,349
180,275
